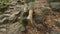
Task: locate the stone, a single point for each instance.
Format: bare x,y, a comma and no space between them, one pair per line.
54,32
27,1
3,29
16,13
18,1
31,5
4,20
55,6
57,23
39,26
22,8
22,28
12,17
53,1
38,19
6,15
24,22
25,14
3,9
13,3
7,12
45,9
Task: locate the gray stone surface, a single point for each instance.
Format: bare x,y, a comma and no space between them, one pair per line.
55,5
38,19
31,5
55,32
22,28
45,9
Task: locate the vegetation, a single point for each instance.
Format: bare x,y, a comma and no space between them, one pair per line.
3,3
38,19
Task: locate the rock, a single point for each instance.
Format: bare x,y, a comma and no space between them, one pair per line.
6,15
53,1
12,3
22,8
3,9
57,23
24,22
18,1
3,30
7,12
22,28
4,20
31,5
27,1
25,14
38,19
55,6
39,27
45,9
16,13
19,6
12,17
54,32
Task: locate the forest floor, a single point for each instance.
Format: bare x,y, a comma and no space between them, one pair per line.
46,27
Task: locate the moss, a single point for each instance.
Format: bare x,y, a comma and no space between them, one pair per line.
3,3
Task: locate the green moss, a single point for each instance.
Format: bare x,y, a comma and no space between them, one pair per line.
3,3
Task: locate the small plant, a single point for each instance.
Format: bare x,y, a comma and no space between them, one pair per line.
3,3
